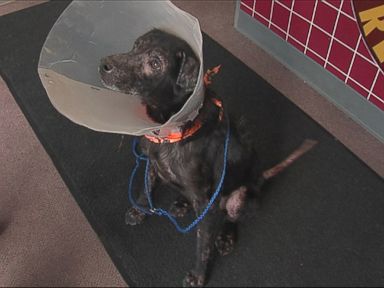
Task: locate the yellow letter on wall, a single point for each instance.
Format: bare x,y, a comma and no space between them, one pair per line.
372,16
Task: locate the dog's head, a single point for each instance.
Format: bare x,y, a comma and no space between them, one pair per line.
161,69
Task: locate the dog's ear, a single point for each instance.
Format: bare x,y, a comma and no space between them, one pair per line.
188,72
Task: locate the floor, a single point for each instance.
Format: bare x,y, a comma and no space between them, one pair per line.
45,240
43,244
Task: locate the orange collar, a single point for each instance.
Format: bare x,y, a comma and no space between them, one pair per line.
178,136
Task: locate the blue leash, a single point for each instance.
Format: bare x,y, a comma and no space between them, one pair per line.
162,212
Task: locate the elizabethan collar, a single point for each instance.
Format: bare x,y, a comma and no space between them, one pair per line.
90,30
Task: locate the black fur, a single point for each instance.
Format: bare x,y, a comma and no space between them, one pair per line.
192,166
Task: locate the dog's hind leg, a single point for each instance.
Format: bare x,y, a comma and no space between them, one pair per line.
233,206
225,242
234,203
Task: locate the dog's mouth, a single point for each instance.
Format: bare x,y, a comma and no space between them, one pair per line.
109,86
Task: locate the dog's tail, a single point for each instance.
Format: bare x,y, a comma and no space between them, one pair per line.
306,146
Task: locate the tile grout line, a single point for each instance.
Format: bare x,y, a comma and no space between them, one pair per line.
271,14
373,86
353,58
332,37
290,19
341,10
310,27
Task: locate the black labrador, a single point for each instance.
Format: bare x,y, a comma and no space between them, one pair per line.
162,70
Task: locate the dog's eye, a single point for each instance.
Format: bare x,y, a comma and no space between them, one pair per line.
155,64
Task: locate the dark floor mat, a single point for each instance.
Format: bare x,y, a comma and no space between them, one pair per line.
321,222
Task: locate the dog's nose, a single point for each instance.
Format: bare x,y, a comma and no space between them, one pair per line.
107,68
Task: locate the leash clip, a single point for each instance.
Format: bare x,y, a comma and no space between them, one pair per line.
155,211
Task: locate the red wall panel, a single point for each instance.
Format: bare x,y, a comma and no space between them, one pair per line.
326,31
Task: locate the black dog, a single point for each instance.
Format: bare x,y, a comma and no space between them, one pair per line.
163,70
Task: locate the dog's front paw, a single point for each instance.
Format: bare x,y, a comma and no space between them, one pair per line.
134,216
179,208
193,280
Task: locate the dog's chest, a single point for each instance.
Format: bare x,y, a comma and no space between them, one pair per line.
172,162
165,169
